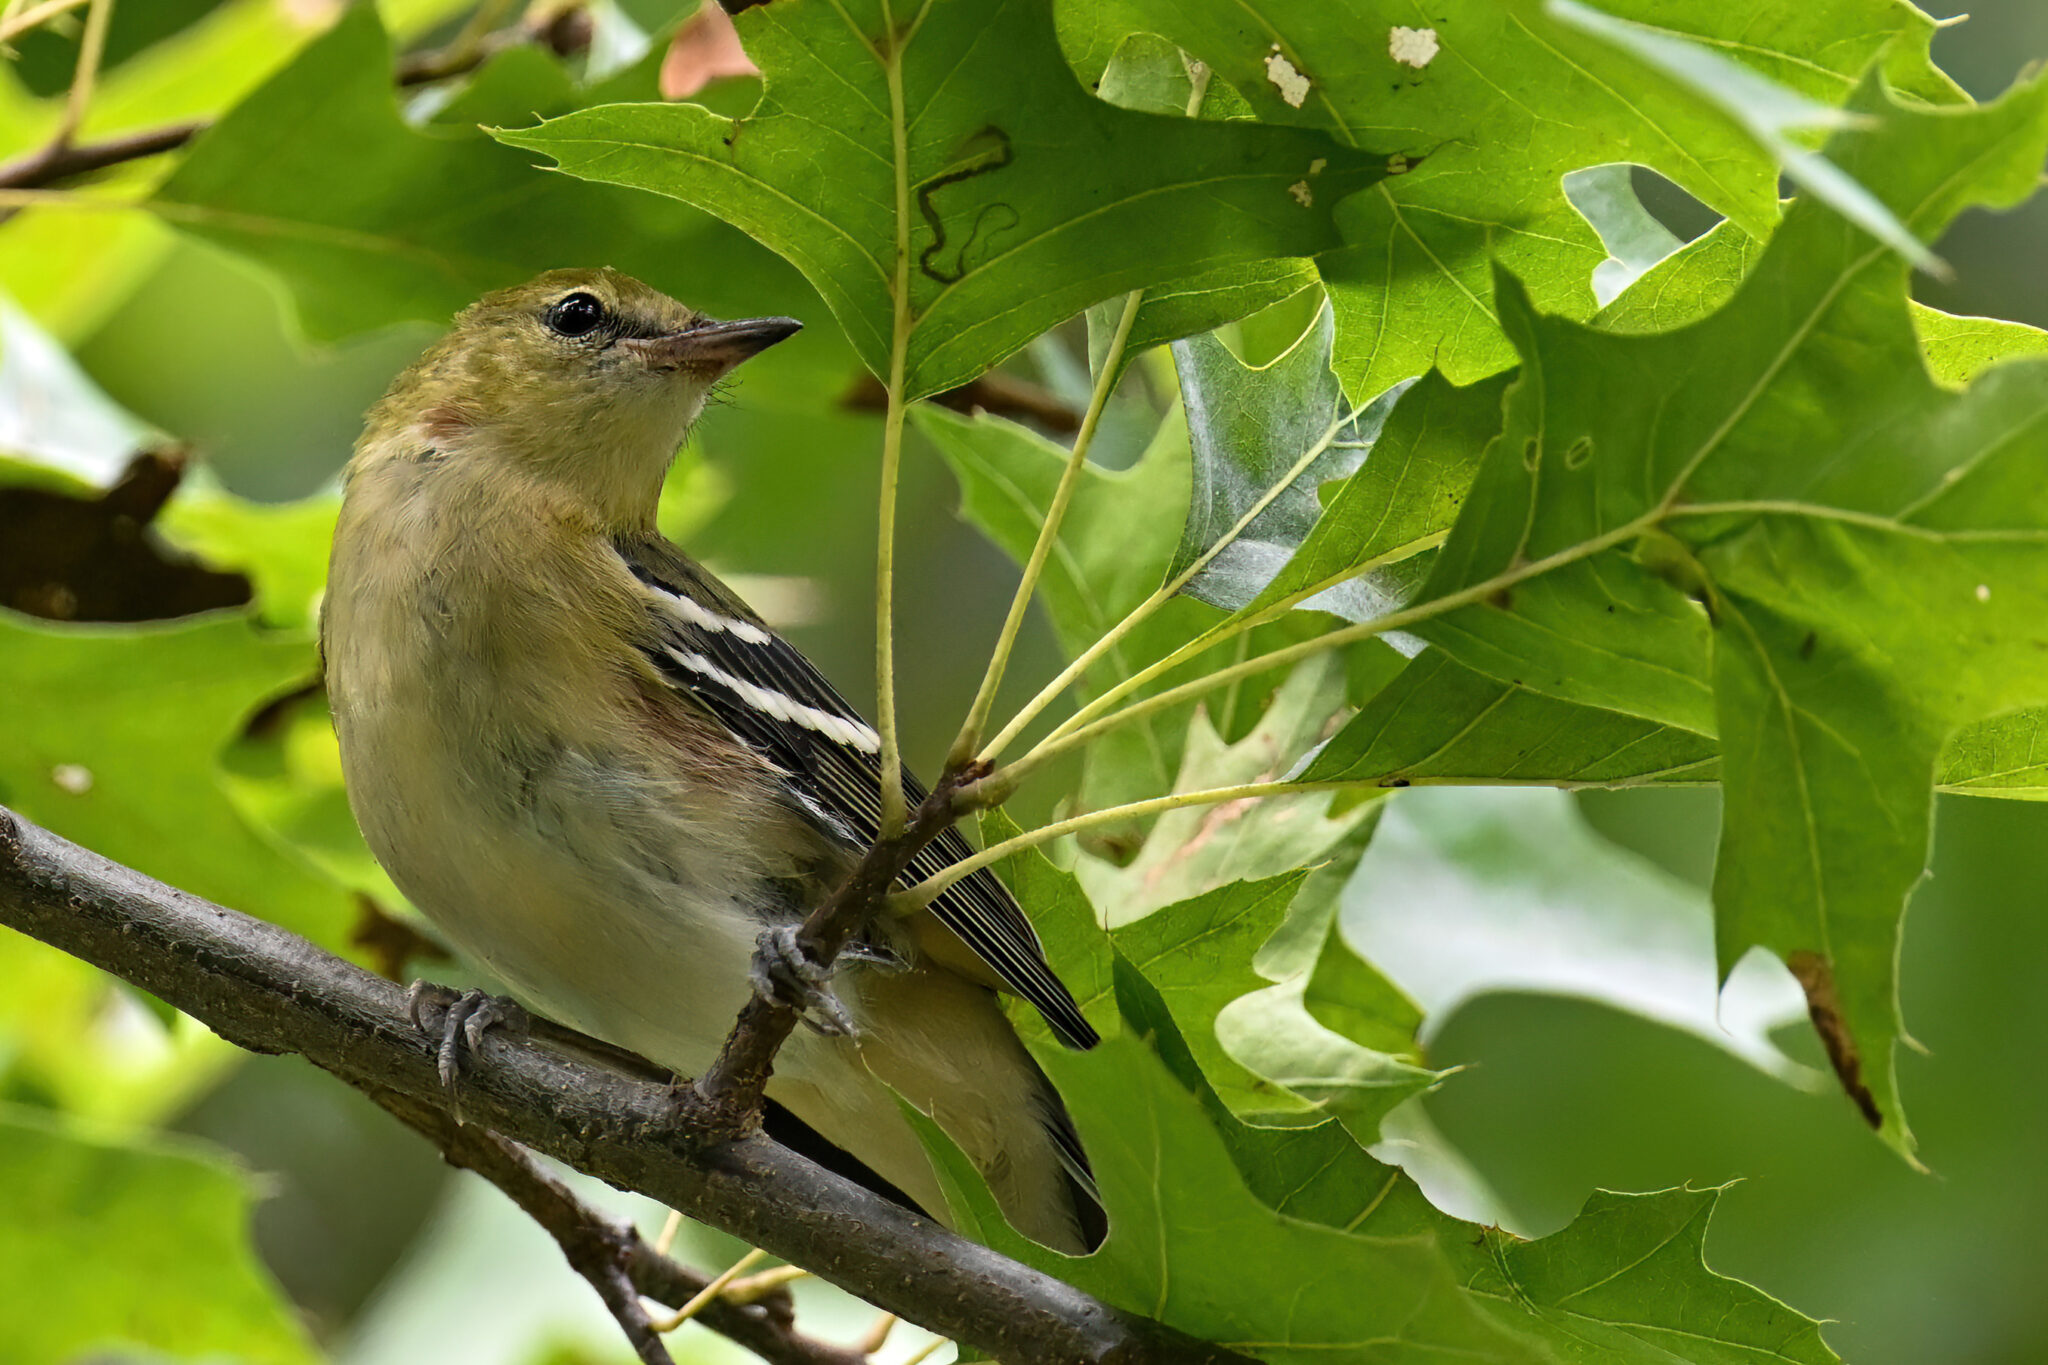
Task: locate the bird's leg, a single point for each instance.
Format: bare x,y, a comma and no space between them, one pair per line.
465,1016
783,972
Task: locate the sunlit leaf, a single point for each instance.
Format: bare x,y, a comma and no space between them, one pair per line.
1775,526
949,166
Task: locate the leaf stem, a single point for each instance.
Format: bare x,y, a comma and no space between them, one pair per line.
1139,614
1048,535
891,756
24,20
926,891
1096,717
92,45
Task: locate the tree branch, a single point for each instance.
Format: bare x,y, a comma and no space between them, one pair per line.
268,990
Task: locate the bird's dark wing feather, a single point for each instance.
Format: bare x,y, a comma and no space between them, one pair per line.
709,644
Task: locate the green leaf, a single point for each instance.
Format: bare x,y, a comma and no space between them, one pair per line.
1151,75
1395,1279
1250,427
1774,525
950,166
1199,848
114,739
429,218
1112,552
71,269
1398,506
1439,722
1960,349
1771,113
110,1247
1205,889
1510,102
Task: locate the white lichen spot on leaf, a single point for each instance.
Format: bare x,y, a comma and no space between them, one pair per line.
1416,47
1292,85
1303,195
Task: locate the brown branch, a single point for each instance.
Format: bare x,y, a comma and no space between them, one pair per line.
268,990
727,1098
65,160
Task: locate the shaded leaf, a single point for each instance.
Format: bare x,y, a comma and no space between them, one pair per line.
1773,525
114,739
112,1247
1490,117
1627,1286
1249,428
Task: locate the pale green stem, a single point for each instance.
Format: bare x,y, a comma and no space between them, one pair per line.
16,21
481,21
891,756
1048,535
1139,614
91,46
925,891
1091,721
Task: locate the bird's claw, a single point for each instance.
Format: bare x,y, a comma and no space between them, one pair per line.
785,973
465,1016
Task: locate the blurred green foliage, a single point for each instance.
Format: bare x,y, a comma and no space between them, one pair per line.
201,331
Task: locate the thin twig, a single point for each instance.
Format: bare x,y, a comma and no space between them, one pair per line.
92,46
54,161
727,1098
31,18
969,738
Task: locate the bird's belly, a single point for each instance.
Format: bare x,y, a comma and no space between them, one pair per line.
607,902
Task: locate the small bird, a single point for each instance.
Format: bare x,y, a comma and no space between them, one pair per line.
604,777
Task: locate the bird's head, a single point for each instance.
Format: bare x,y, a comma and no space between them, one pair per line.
587,378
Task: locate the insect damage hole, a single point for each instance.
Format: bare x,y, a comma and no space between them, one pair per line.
1416,47
1286,78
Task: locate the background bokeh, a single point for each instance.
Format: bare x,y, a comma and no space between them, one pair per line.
396,1259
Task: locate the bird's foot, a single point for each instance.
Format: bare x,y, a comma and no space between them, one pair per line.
463,1019
785,973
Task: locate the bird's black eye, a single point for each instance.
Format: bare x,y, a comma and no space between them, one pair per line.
578,315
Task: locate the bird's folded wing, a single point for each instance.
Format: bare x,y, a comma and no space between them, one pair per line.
708,644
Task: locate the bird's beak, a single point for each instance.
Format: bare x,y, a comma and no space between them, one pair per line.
709,346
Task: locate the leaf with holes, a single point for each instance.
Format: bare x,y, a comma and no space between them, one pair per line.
1492,103
1776,527
948,186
